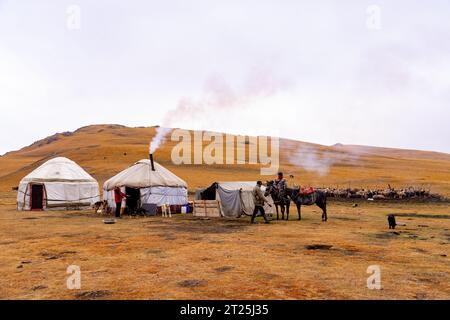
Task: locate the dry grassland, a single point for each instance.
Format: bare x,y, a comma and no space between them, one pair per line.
192,258
189,258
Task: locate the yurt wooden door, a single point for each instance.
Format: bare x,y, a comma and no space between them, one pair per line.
37,196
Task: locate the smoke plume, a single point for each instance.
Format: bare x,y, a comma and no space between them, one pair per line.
319,160
159,138
218,95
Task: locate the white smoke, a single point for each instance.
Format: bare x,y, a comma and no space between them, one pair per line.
218,94
159,138
320,160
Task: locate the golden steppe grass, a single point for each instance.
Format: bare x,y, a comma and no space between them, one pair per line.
192,258
189,258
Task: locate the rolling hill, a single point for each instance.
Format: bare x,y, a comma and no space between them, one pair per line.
104,150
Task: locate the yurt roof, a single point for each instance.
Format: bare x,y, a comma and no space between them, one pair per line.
140,175
59,169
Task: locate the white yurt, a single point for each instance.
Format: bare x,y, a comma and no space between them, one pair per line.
147,185
235,197
57,184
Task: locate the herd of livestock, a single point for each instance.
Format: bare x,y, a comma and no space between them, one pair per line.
382,194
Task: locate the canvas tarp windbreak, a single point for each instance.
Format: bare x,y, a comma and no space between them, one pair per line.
236,198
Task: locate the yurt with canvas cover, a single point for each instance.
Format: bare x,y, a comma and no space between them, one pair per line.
147,184
58,184
235,197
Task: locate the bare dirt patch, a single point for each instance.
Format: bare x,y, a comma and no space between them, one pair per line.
224,269
318,247
200,226
92,295
192,283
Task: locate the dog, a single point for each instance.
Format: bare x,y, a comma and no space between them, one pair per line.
391,221
100,207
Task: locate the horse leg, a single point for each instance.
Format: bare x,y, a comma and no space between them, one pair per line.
325,209
322,205
287,211
282,211
299,208
276,207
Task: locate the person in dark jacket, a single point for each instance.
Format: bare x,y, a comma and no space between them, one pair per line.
118,197
259,199
281,184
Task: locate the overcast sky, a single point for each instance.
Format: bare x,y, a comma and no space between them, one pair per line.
317,71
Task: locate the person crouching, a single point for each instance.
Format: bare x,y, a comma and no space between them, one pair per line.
259,199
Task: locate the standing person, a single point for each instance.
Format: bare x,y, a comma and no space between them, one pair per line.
259,199
118,197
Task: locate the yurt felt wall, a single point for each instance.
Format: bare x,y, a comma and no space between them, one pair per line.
159,187
62,184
